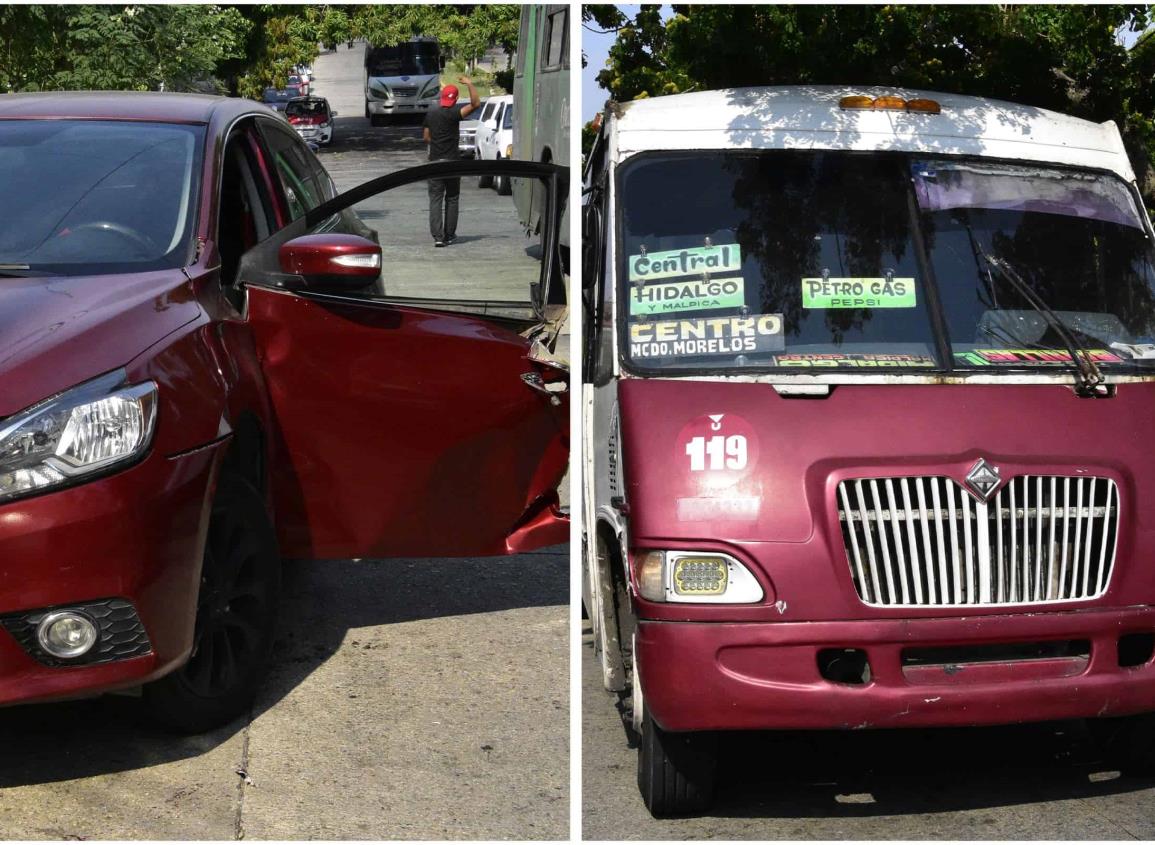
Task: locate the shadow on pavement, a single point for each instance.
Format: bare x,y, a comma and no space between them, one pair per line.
893,773
323,604
354,134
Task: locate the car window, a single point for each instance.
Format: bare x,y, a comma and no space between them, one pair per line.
95,196
294,169
507,118
488,113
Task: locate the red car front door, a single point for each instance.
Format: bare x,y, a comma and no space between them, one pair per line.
411,426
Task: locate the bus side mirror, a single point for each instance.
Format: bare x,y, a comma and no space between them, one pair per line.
441,62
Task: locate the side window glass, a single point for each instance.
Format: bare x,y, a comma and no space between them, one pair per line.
554,52
294,170
523,38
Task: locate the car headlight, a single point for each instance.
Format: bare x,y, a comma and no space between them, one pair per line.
96,425
432,89
707,577
379,91
509,151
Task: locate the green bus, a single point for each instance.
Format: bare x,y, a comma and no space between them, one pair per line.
541,118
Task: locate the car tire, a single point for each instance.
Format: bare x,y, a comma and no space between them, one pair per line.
1128,742
235,618
676,771
485,181
503,186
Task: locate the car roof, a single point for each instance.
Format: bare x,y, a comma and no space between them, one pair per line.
809,116
119,105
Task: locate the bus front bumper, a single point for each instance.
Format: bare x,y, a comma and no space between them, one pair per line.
766,676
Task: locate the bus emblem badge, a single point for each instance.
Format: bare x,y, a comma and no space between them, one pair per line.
983,479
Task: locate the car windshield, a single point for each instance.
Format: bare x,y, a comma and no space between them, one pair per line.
409,59
278,95
820,261
89,197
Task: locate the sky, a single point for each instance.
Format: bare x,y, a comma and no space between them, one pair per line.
596,47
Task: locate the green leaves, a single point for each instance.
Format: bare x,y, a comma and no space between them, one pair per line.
123,47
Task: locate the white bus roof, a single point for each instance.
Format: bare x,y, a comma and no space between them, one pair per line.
809,117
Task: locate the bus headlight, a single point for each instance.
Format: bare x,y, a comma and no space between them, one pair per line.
689,576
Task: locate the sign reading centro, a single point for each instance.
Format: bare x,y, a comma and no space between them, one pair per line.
685,262
858,293
693,295
707,336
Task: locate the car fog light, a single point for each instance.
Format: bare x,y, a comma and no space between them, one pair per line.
700,576
66,634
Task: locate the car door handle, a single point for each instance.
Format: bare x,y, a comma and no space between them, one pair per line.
552,389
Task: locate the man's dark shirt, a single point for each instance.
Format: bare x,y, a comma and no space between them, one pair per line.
443,125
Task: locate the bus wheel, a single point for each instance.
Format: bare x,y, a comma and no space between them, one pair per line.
485,181
1127,742
377,120
676,771
503,186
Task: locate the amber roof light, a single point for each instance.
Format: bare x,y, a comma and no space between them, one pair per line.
920,104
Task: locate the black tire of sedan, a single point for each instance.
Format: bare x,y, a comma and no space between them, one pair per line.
1127,742
484,181
676,771
235,621
503,186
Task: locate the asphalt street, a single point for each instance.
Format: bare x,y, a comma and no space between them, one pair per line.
1020,782
408,699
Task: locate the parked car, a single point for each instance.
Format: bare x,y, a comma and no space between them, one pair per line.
870,381
467,132
495,141
278,98
300,84
180,283
312,118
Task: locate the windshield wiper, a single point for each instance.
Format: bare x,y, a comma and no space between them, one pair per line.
1088,376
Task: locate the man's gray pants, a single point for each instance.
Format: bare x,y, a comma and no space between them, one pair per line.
443,201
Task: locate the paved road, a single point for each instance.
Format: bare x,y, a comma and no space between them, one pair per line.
492,259
408,699
1026,782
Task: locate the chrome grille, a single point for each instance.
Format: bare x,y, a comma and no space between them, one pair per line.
926,542
404,90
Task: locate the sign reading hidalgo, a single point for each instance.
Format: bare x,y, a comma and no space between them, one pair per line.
685,262
707,336
693,295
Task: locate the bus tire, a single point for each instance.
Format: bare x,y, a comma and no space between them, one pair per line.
503,186
676,771
485,181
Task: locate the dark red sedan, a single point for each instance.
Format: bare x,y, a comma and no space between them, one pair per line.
203,373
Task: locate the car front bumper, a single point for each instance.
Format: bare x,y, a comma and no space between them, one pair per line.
136,536
764,676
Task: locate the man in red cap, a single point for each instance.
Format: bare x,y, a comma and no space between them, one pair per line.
440,133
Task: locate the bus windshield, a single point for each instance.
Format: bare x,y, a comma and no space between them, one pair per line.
413,58
845,261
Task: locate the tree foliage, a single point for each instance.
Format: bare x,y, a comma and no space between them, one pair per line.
1061,57
241,49
124,47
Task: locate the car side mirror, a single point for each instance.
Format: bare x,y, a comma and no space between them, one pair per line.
332,260
333,113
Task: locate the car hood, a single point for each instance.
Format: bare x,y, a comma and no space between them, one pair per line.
60,331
